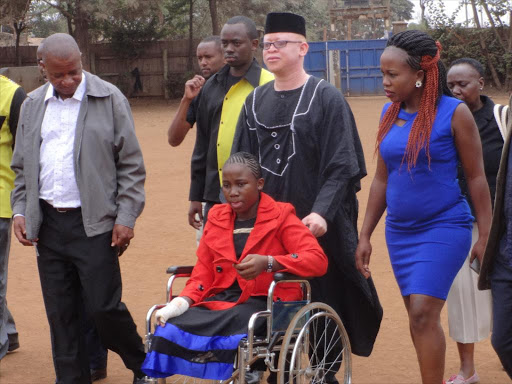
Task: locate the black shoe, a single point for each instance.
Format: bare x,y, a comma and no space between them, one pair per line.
139,377
98,374
14,342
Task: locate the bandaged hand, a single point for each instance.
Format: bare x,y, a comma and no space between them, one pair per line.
176,307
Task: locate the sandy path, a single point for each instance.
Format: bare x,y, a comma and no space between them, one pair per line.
164,238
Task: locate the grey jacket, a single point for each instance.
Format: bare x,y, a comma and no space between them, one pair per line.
108,161
498,219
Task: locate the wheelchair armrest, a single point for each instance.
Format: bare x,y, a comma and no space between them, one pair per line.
180,269
283,276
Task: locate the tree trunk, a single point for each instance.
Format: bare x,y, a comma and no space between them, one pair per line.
81,35
214,16
18,28
422,17
484,47
493,25
509,74
70,26
190,63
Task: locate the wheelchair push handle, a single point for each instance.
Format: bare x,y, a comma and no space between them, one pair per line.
284,276
180,269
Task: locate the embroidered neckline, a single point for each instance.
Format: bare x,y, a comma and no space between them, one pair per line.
242,230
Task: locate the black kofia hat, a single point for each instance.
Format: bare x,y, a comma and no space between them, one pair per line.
285,22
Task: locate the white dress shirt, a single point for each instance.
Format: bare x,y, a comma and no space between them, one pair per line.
57,181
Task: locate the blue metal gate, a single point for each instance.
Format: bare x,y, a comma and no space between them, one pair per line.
353,65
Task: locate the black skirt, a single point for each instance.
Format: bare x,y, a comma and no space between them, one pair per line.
201,342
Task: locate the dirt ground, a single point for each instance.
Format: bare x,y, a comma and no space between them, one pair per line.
163,237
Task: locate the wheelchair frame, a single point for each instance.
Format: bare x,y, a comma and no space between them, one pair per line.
252,348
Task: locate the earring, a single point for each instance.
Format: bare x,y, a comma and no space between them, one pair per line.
481,88
418,84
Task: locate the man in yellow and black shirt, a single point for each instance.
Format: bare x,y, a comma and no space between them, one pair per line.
11,98
222,99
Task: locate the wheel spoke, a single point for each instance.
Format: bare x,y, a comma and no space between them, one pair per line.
309,353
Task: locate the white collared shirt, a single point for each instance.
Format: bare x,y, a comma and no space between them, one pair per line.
57,181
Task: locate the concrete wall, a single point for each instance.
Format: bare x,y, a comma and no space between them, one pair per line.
28,77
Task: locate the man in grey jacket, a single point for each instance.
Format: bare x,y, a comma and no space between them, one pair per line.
78,190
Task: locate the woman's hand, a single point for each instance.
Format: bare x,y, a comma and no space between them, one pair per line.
478,250
363,252
251,266
177,306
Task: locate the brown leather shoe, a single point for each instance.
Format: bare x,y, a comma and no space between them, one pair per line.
98,374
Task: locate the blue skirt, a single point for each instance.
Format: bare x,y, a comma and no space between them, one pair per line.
425,261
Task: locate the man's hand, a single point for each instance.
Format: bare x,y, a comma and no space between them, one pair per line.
196,208
251,266
193,86
121,236
316,224
21,233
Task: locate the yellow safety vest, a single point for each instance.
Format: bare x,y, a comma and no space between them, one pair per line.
231,108
7,90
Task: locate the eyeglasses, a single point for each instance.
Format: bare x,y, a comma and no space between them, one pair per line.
277,44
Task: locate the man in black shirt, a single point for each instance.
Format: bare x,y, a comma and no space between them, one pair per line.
221,100
211,59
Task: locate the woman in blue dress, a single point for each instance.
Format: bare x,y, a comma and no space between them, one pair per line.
423,133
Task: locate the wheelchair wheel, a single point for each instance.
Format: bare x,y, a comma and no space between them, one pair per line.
315,348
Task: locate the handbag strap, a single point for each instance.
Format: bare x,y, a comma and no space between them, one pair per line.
500,115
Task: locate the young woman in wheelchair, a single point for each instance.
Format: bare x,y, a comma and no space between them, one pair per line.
245,241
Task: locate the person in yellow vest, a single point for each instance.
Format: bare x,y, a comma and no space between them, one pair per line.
11,98
222,99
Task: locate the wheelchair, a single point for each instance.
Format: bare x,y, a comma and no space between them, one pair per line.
303,343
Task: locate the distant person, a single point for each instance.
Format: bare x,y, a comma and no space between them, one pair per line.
470,310
422,134
496,272
98,354
210,59
78,190
222,98
11,98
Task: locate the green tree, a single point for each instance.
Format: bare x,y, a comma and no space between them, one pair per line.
489,42
15,14
45,20
401,10
84,15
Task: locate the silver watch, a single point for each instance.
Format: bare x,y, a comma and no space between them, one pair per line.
270,263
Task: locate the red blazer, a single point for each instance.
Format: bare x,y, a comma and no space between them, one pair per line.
277,232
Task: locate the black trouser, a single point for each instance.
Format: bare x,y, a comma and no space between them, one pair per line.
97,353
71,265
207,206
501,288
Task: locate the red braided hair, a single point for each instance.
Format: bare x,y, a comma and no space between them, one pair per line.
419,137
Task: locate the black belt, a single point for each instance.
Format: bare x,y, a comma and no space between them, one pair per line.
58,209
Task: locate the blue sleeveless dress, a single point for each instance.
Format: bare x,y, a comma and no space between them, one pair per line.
428,223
